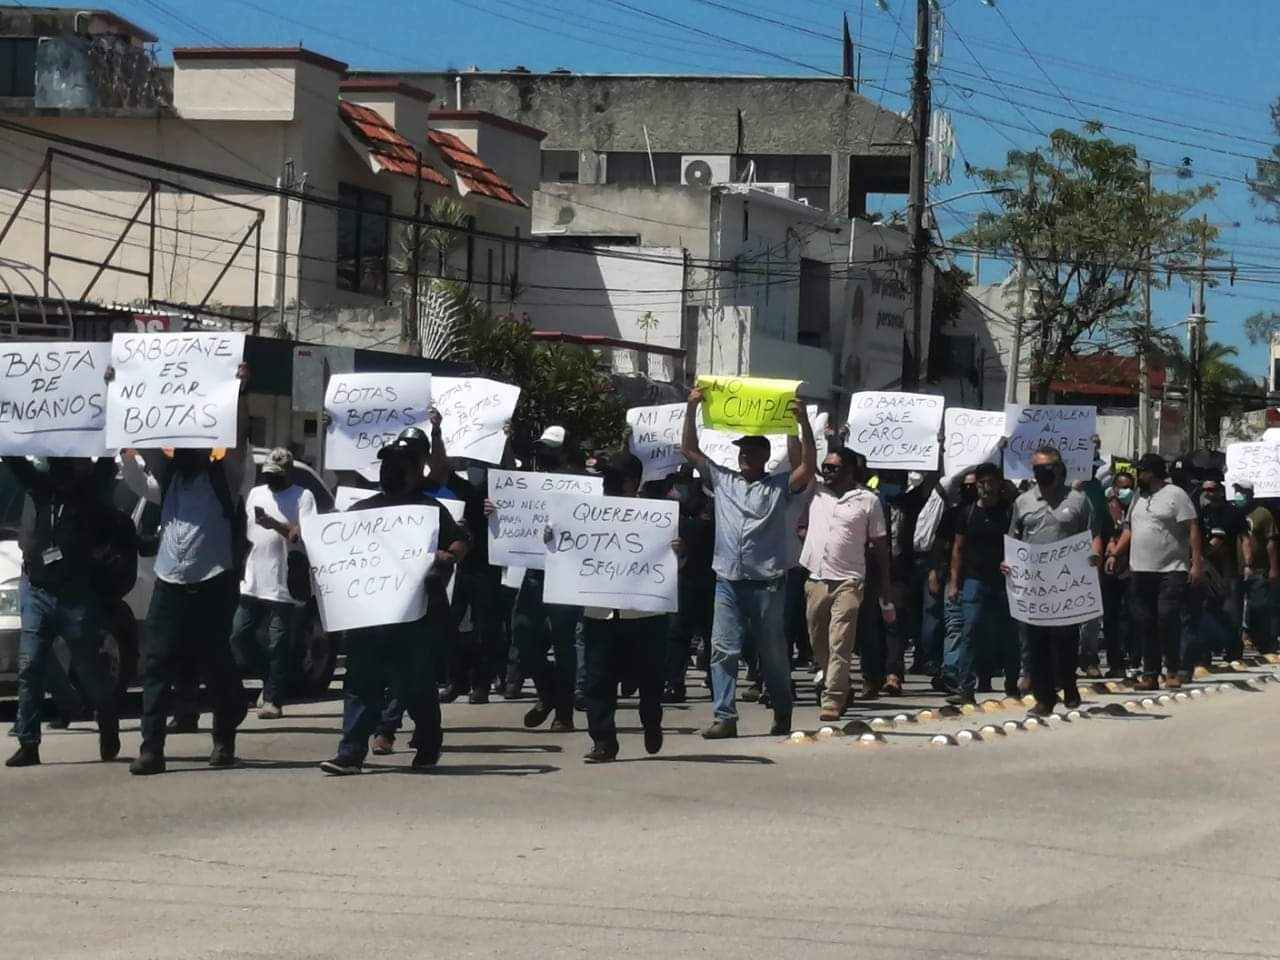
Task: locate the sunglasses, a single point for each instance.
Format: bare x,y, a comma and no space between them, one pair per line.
831,467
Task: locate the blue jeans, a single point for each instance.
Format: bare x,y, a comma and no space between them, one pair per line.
986,615
45,617
273,662
396,657
933,619
751,608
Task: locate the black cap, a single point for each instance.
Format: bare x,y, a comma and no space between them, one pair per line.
411,441
754,442
1155,463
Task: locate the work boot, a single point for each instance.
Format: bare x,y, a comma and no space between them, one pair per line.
27,755
781,724
147,764
601,753
384,744
224,752
562,725
721,730
428,753
537,715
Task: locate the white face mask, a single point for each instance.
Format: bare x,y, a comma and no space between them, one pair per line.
914,479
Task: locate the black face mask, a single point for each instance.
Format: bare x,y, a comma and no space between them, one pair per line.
392,479
546,462
1144,485
1046,474
968,493
277,482
190,463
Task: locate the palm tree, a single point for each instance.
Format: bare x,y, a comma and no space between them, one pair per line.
1226,389
426,252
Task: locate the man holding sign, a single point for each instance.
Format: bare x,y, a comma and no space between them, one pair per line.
750,564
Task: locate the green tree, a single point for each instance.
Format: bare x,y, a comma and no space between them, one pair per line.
1265,187
1077,212
1226,389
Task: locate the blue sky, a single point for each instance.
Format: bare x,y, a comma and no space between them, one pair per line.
1183,78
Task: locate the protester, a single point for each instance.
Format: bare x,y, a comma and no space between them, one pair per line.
1162,542
194,600
76,549
750,552
986,635
1046,513
276,579
398,656
1259,567
696,583
1117,631
845,521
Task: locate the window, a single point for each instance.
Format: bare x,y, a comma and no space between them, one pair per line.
559,166
362,240
634,167
809,173
17,66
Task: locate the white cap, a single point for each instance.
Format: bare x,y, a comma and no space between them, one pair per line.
552,437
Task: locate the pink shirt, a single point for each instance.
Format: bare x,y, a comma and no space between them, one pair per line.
835,547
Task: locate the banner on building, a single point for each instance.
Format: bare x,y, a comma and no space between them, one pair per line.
970,438
748,405
367,411
896,431
1052,584
473,413
1068,429
53,399
522,501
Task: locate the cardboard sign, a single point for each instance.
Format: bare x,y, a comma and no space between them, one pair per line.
370,567
612,552
523,499
367,411
473,413
970,438
655,438
1258,461
897,431
1069,429
1052,584
1119,466
53,399
175,390
344,498
748,406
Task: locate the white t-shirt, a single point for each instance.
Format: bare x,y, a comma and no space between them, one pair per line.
266,567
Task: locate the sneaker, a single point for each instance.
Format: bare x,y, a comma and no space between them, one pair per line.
224,753
108,744
752,693
829,714
652,740
270,711
478,695
601,753
781,724
962,698
1147,683
561,726
340,767
147,764
721,730
184,723
537,715
384,744
27,755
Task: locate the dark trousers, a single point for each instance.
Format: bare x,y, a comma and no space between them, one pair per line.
618,648
1194,649
880,644
440,616
1053,652
190,623
1156,600
794,620
693,619
1260,613
398,657
1117,634
1233,639
475,651
539,628
271,660
931,648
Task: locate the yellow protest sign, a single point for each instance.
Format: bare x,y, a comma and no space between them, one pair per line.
748,405
1119,466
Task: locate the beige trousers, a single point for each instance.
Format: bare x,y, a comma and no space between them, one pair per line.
831,607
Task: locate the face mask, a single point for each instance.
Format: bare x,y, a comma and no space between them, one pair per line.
1239,499
277,482
987,491
546,462
1144,485
1046,474
969,493
1124,496
392,479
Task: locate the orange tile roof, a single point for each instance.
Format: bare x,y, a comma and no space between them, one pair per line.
389,150
476,175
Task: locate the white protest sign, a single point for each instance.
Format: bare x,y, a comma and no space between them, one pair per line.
370,566
719,447
1069,429
1259,462
344,498
368,410
513,577
612,552
655,438
53,399
896,431
176,390
1052,584
970,437
522,499
473,412
780,453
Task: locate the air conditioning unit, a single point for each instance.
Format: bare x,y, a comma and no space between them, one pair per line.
785,190
696,171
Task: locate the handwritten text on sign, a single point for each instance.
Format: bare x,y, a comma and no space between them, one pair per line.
174,390
522,501
473,411
1259,462
896,430
655,438
612,552
370,566
1069,429
368,411
53,400
748,405
1052,584
971,437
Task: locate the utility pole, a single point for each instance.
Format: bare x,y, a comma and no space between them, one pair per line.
1195,329
1144,344
919,238
1015,350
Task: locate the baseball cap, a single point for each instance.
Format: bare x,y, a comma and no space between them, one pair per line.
753,442
1153,462
411,440
552,437
278,461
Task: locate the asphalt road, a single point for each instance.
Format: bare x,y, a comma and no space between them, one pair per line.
1147,835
